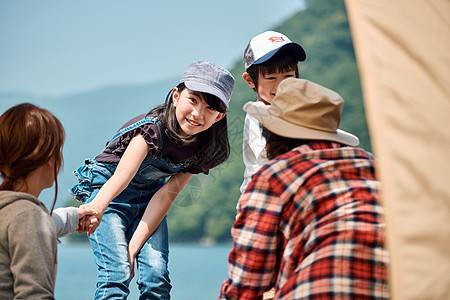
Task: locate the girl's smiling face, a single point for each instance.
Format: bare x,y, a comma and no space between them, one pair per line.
193,114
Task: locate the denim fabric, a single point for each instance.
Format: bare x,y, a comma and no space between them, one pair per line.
110,241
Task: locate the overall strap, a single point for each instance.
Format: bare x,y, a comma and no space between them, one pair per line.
146,120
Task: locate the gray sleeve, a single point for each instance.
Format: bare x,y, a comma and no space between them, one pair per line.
66,220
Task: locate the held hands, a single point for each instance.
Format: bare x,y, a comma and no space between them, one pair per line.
90,218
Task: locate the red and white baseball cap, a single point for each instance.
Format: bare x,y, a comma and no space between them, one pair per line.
263,46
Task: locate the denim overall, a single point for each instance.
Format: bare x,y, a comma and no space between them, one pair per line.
110,241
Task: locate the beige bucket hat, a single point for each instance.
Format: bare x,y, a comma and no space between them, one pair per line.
303,109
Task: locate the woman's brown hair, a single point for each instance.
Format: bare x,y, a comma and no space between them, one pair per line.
29,138
277,145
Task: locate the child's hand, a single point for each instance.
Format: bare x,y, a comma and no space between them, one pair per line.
88,223
93,224
84,213
131,260
90,220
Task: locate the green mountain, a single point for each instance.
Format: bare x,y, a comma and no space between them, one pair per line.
206,209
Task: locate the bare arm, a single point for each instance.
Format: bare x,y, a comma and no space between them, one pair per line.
126,169
156,209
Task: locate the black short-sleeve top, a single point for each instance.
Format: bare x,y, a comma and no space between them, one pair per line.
154,136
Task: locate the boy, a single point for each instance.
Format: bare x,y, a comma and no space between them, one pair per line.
269,58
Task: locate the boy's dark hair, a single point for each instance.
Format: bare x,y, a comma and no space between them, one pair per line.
214,145
282,61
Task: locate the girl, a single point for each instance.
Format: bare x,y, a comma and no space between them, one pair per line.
127,183
31,139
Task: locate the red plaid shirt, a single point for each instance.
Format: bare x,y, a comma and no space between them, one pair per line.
310,224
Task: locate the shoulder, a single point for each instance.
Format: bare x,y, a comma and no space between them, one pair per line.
24,206
25,220
151,133
147,125
280,171
27,210
250,121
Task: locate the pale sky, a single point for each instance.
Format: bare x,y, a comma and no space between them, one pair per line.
60,47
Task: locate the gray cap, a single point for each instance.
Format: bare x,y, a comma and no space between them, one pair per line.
207,77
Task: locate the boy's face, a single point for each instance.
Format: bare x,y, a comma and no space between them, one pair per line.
268,84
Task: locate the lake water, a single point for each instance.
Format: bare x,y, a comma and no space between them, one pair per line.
196,271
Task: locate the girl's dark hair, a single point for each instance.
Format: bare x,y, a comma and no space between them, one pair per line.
29,138
214,146
282,61
277,145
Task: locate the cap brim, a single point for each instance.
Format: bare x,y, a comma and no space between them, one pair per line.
289,130
204,88
293,48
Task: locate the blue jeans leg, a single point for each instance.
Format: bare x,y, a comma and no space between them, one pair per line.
110,249
152,261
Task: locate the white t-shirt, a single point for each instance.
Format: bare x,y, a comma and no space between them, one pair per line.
254,152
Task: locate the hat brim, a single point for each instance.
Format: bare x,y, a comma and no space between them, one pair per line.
294,48
289,130
205,88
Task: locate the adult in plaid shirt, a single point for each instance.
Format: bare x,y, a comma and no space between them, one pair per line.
310,223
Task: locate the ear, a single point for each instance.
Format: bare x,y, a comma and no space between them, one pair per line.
175,96
220,117
50,162
248,79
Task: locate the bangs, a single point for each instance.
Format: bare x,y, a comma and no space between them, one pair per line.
210,99
214,102
279,64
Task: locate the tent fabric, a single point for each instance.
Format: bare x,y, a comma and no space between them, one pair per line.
403,53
